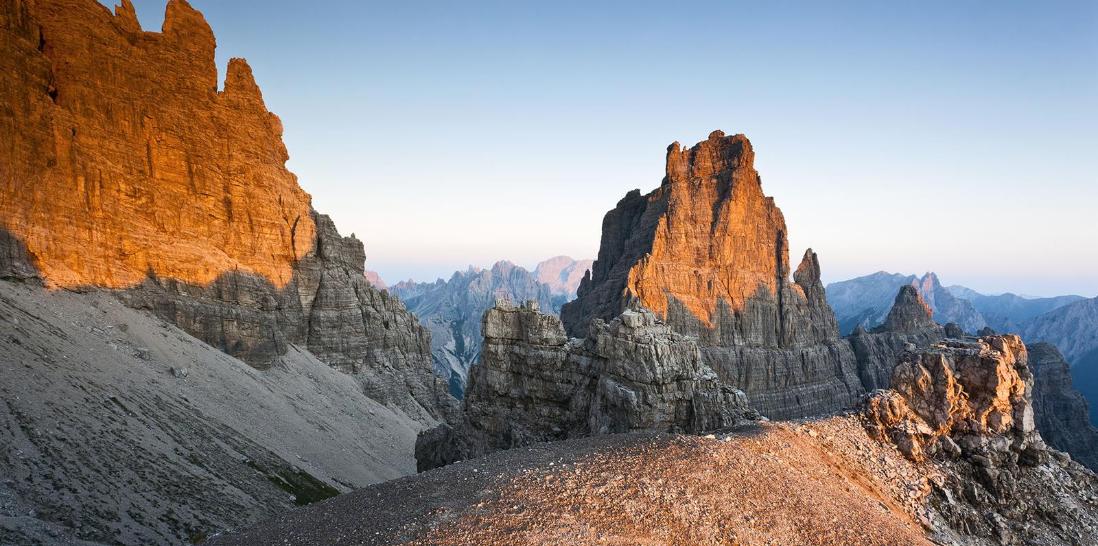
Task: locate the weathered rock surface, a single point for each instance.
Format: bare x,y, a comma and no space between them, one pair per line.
707,252
125,168
908,326
375,280
1061,411
562,274
866,301
967,407
452,310
533,384
122,158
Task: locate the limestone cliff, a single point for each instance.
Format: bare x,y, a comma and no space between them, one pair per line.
124,167
533,384
707,252
1062,412
123,159
562,274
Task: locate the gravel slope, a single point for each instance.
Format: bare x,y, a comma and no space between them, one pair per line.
100,441
823,482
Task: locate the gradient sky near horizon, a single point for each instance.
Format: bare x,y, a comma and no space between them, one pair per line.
958,137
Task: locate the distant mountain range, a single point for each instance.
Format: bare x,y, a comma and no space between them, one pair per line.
865,301
452,309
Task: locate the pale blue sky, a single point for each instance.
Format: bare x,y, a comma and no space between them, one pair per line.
953,136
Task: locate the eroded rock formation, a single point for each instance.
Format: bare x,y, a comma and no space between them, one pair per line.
123,159
964,409
1061,411
707,252
533,384
908,326
124,167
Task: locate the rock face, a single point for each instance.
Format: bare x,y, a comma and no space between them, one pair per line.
123,159
865,301
965,409
375,280
125,168
453,309
908,325
533,384
707,252
562,274
1061,411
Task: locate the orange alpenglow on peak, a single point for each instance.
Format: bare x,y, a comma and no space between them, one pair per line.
720,238
123,159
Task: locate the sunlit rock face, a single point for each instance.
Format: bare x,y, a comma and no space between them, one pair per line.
707,252
121,158
122,166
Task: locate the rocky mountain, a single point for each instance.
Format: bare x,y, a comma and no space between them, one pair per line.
865,301
1010,312
950,456
1072,328
534,385
707,252
1062,413
375,280
126,169
452,311
562,274
909,325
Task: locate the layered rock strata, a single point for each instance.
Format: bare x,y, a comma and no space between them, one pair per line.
964,410
533,384
124,167
707,252
1062,412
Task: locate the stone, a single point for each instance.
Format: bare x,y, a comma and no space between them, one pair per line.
866,300
126,168
954,331
707,252
139,165
1060,411
908,327
533,384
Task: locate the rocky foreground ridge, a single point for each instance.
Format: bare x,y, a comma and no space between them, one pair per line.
950,455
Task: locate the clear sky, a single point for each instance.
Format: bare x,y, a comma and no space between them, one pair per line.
953,136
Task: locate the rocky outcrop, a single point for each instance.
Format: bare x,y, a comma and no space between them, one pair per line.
866,301
452,311
127,169
707,252
908,326
1062,412
562,274
965,408
533,384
